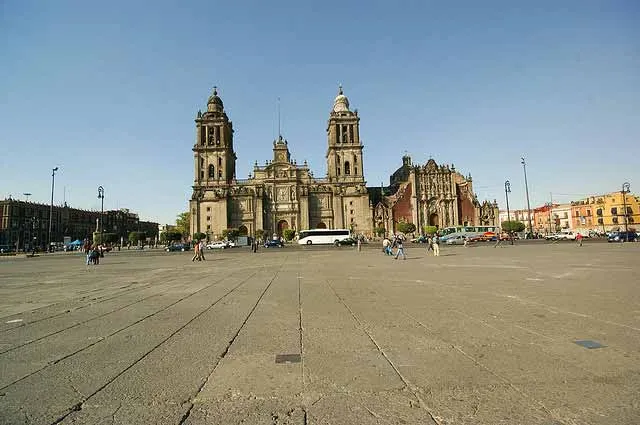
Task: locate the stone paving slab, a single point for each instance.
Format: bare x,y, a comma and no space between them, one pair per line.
479,335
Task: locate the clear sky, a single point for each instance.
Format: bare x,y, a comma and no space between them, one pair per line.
108,92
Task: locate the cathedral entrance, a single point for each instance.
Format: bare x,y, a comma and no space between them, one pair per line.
282,226
433,219
243,231
321,225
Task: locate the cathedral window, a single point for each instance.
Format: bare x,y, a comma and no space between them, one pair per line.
220,174
201,175
212,172
219,162
347,168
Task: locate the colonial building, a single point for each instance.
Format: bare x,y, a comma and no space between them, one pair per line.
23,224
430,195
281,194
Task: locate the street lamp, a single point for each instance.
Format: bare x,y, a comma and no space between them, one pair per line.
626,188
550,206
101,197
53,181
27,194
507,191
526,187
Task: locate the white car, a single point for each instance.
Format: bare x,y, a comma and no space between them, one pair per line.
217,245
455,240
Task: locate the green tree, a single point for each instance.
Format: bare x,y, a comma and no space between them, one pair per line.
513,226
135,237
230,234
405,227
197,236
289,234
183,223
379,231
429,230
170,236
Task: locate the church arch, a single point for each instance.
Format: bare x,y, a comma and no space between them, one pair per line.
282,226
433,219
321,225
243,230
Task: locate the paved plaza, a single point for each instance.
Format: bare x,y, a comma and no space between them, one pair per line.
324,336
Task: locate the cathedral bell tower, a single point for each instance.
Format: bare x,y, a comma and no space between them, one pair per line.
215,160
344,153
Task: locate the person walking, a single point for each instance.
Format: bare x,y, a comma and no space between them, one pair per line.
196,252
386,246
579,239
429,244
201,248
436,246
400,250
359,242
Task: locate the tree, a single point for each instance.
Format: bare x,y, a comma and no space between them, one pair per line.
135,237
170,236
183,223
107,238
429,230
289,234
405,227
380,231
199,236
230,234
513,226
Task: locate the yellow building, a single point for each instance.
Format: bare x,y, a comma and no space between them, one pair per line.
606,212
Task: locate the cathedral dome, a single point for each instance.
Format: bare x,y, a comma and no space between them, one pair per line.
214,102
341,103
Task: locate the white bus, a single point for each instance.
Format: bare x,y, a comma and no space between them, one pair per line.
322,236
467,231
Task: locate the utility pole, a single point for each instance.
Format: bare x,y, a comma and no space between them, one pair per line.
526,187
507,191
626,188
53,182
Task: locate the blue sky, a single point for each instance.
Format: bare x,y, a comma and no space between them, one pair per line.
108,92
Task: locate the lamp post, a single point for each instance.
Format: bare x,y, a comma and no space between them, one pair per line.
53,181
27,194
101,197
626,188
507,191
550,206
526,188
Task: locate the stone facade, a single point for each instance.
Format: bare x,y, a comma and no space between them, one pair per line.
430,195
281,194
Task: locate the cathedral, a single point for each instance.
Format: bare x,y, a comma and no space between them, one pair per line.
285,195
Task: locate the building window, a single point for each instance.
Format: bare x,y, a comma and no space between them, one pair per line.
208,227
201,175
588,213
351,212
615,219
208,209
208,218
629,211
220,174
630,219
614,211
219,162
347,168
212,171
599,212
350,202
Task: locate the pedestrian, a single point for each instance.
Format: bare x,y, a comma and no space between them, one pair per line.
196,252
201,248
579,239
386,246
89,252
429,244
436,246
400,250
359,242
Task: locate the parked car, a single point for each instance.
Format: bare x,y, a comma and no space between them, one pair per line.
419,239
217,245
346,241
622,236
274,243
456,240
178,247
